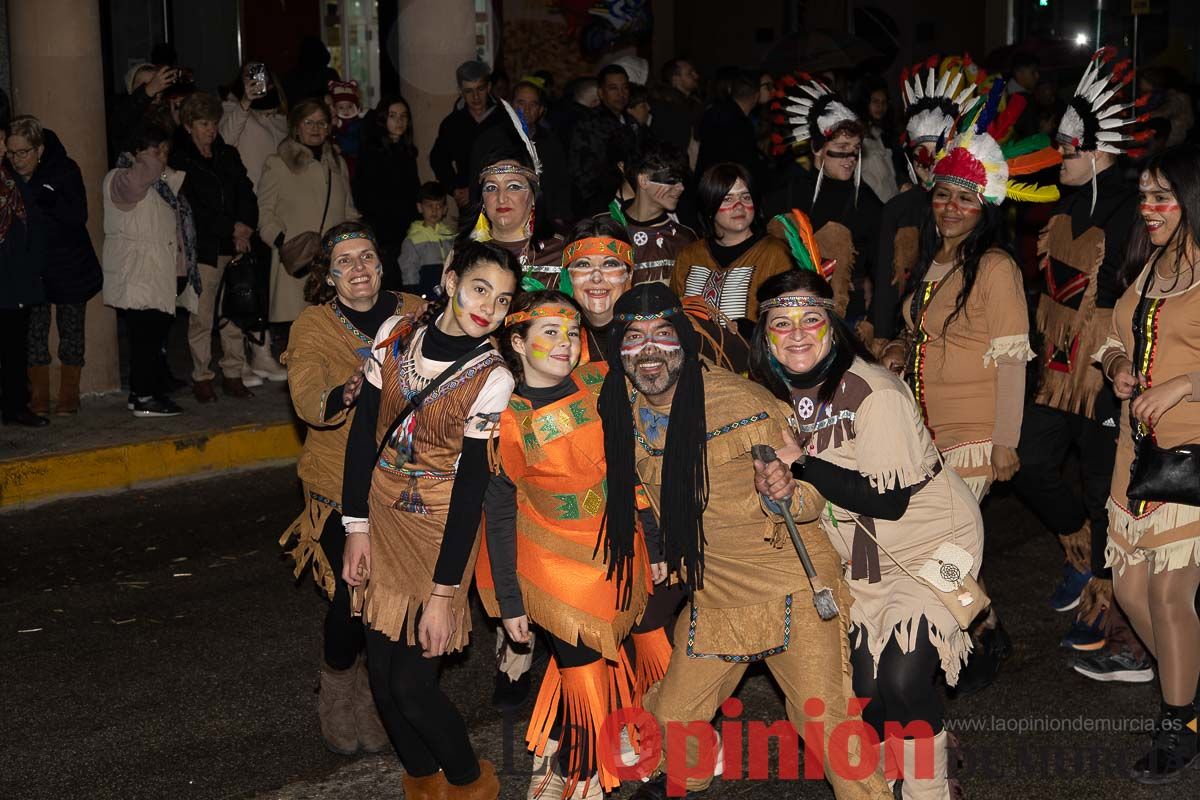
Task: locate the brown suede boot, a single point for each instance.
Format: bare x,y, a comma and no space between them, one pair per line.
335,709
371,733
39,390
431,787
485,787
68,390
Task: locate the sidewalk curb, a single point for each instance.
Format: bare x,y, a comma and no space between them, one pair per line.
24,482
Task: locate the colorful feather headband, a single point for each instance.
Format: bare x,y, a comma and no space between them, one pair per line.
345,237
565,312
598,246
1096,114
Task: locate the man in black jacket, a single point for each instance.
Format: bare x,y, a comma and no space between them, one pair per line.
594,178
727,134
474,111
226,214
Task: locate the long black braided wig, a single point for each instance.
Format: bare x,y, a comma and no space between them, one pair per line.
685,486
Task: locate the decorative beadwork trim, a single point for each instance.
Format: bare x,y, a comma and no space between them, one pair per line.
743,659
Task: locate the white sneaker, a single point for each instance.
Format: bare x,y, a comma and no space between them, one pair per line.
249,378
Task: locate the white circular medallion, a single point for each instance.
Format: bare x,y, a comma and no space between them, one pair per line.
805,407
640,238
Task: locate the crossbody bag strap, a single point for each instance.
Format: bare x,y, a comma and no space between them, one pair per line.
420,397
328,191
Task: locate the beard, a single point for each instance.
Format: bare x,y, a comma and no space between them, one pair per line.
662,381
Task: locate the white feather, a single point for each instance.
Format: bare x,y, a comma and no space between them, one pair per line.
942,84
520,126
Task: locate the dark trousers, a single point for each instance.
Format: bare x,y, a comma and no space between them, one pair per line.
1047,437
344,635
424,725
70,318
902,689
14,378
147,329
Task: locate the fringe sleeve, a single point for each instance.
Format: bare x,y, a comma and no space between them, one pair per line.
311,376
889,447
1006,310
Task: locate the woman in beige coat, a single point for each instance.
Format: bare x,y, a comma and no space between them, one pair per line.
292,196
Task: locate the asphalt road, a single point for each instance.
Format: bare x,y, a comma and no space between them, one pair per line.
154,645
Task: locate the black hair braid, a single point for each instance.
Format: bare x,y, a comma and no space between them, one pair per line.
617,527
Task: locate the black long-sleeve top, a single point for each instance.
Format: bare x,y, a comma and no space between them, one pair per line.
500,505
470,481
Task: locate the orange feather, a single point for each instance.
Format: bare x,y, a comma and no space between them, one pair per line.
1034,162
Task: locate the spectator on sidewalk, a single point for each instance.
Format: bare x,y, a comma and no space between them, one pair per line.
226,214
386,186
593,178
71,275
22,254
304,190
428,242
473,112
149,261
144,86
677,108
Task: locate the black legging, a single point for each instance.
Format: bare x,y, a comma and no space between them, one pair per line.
344,638
424,725
903,690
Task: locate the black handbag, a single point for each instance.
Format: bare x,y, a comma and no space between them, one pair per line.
1158,474
240,300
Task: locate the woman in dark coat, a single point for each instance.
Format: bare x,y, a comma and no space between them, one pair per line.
71,274
385,183
226,214
22,253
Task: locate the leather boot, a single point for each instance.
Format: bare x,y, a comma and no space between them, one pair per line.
430,787
485,787
371,734
335,710
920,782
262,362
68,390
39,390
234,387
204,391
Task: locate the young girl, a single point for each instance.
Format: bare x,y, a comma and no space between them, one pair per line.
412,511
554,560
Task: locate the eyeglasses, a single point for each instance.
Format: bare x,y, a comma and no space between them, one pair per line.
22,154
315,124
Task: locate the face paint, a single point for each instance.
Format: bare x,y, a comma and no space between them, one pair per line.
666,340
798,320
335,272
746,202
1158,208
540,347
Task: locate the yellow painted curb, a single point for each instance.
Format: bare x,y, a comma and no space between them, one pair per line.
27,480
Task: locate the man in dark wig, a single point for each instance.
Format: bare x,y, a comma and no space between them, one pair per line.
750,598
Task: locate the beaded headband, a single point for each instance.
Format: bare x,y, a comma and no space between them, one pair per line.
565,312
795,302
598,246
508,169
666,312
345,237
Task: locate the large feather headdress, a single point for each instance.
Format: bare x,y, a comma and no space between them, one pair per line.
974,159
936,95
1097,118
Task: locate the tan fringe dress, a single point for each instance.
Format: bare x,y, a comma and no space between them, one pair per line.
410,491
1165,534
953,371
324,351
872,426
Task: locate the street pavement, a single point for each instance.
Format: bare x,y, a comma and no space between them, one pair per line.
154,644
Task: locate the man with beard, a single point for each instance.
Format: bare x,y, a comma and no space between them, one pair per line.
686,432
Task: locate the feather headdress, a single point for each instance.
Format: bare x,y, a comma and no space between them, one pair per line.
1096,118
973,159
809,111
935,95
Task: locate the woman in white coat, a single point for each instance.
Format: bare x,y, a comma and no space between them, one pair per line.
304,187
149,261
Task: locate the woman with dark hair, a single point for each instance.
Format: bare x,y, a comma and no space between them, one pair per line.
412,510
149,260
865,448
1151,357
385,180
326,352
543,562
736,256
503,210
255,117
880,151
